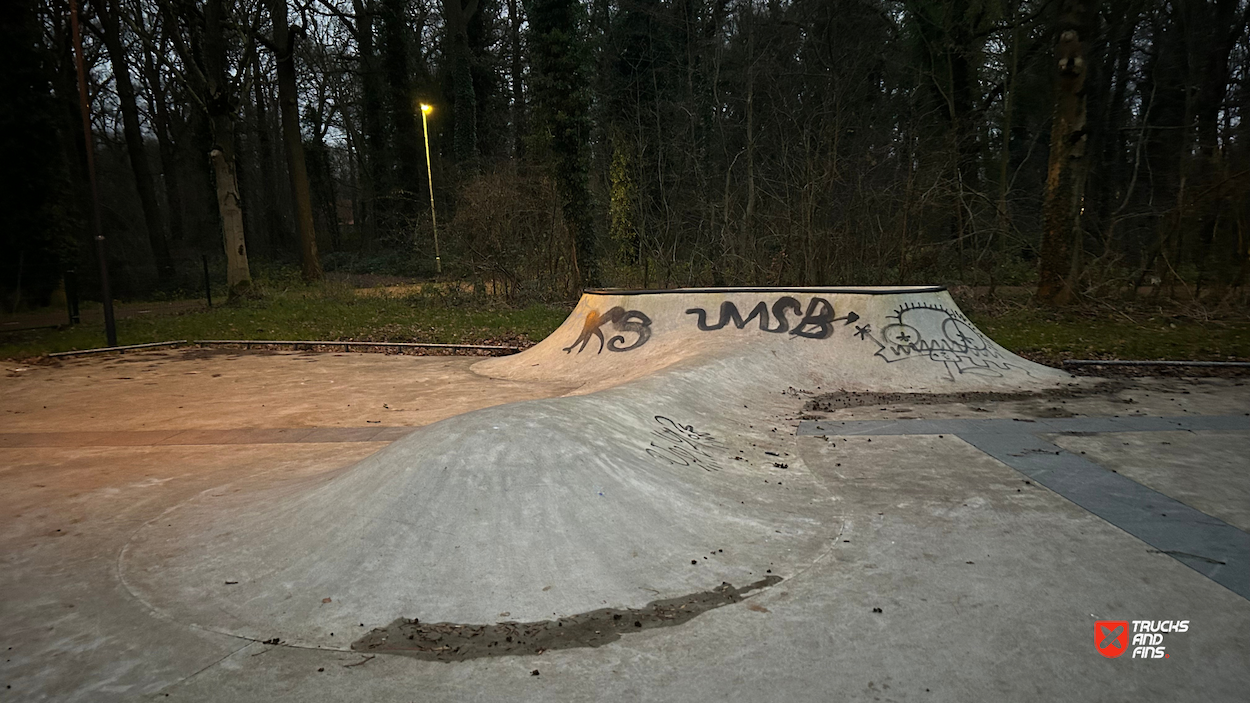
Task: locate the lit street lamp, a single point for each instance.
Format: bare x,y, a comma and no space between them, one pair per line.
429,173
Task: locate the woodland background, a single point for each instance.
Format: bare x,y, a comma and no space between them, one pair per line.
1088,149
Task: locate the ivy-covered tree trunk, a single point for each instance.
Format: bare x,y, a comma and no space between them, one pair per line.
561,101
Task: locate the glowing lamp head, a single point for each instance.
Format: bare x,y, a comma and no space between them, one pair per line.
425,109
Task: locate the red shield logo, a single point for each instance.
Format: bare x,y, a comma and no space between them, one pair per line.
1111,637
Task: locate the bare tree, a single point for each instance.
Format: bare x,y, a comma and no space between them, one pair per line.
110,13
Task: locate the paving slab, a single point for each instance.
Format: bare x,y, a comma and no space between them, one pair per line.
1199,469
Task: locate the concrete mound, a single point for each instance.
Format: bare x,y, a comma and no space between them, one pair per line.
669,472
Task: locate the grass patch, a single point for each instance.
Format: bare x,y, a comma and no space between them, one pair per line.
1051,337
448,315
327,312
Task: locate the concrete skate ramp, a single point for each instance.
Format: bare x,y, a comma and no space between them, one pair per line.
911,337
671,471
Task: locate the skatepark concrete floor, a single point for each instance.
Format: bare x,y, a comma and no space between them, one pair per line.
951,577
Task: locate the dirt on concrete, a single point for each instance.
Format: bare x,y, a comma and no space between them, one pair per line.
829,402
1116,371
448,642
1110,398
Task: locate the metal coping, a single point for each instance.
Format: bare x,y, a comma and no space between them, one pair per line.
1121,362
127,347
336,343
276,342
854,290
961,426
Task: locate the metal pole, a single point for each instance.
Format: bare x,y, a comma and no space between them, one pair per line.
429,173
71,296
110,325
208,286
1118,362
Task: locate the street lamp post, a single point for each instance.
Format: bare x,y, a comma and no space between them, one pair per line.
429,173
106,293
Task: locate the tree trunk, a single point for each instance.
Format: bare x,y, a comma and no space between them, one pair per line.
139,165
373,144
464,135
321,173
411,185
238,277
1003,208
288,102
221,104
163,127
516,70
1215,38
562,102
1109,142
278,235
1169,110
1065,176
748,217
